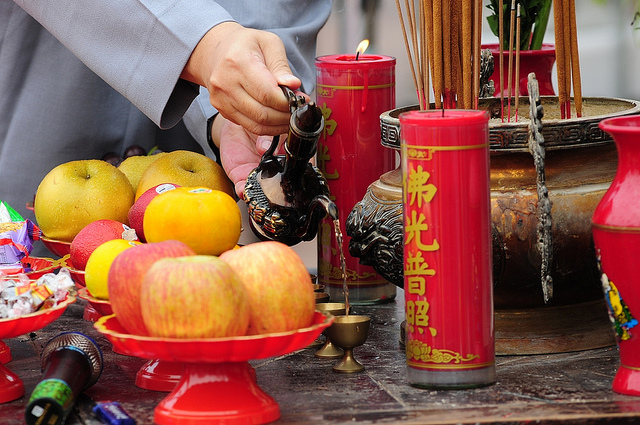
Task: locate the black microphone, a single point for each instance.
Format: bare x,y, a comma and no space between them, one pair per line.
71,363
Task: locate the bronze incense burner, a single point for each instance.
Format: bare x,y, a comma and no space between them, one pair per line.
580,164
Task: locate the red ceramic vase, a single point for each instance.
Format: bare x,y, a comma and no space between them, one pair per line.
616,234
539,62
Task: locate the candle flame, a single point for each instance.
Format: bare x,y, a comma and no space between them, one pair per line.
362,46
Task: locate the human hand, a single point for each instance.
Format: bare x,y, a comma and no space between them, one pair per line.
242,69
240,151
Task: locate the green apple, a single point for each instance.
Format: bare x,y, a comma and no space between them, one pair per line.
134,166
194,297
278,283
185,168
77,193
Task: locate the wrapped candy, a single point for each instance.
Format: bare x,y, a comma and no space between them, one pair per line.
16,239
22,296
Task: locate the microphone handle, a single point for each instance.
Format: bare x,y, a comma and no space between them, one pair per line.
67,372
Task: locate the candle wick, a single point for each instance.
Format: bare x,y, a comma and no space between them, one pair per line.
357,55
443,112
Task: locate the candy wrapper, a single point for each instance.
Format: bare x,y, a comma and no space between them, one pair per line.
22,296
16,239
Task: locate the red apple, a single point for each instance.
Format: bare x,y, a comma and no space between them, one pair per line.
136,212
194,297
281,295
126,275
95,234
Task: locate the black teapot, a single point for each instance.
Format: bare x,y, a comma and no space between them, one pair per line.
286,195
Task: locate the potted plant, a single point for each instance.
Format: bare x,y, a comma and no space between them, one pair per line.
535,56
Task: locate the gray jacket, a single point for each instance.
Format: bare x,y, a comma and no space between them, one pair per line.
80,79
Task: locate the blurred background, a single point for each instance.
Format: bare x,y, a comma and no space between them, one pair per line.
608,44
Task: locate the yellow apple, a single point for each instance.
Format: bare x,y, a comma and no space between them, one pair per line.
185,168
134,166
281,296
77,193
96,273
193,297
207,220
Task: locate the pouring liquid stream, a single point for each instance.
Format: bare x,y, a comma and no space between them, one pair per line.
343,263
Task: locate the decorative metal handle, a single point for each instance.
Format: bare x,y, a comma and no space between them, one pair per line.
294,101
537,150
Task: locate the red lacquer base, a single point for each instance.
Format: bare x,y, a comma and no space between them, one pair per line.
11,387
91,314
217,393
5,353
627,381
217,386
159,375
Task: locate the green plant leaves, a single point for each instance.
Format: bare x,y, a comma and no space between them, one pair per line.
534,16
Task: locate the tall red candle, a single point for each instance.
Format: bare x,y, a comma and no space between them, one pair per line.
352,94
447,248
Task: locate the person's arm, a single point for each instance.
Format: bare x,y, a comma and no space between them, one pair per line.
295,22
138,47
141,47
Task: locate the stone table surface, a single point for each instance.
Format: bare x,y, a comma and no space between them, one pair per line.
567,388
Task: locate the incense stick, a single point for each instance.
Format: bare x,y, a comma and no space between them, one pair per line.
558,25
438,81
456,73
446,54
477,35
567,55
406,44
466,53
575,60
517,75
510,67
442,41
501,43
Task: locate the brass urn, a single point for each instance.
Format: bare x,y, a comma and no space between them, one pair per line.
580,164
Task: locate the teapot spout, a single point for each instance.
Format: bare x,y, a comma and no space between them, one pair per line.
329,207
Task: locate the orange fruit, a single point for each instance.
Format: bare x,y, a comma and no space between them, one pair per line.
96,274
95,234
136,212
207,220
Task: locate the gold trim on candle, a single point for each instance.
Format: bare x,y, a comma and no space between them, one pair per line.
446,148
416,153
616,229
377,86
418,365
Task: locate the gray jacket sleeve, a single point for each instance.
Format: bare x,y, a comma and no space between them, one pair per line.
140,47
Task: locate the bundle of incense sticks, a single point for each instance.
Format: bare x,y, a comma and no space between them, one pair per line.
567,61
442,39
514,30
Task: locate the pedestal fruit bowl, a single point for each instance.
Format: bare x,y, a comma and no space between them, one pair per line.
217,384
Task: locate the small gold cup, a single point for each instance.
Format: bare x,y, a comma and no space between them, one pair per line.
348,332
328,350
321,297
318,287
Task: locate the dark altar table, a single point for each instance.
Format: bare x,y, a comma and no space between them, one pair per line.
569,388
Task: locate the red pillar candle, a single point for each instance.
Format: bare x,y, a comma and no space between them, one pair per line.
447,248
352,94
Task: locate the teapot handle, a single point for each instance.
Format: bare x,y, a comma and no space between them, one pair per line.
268,155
